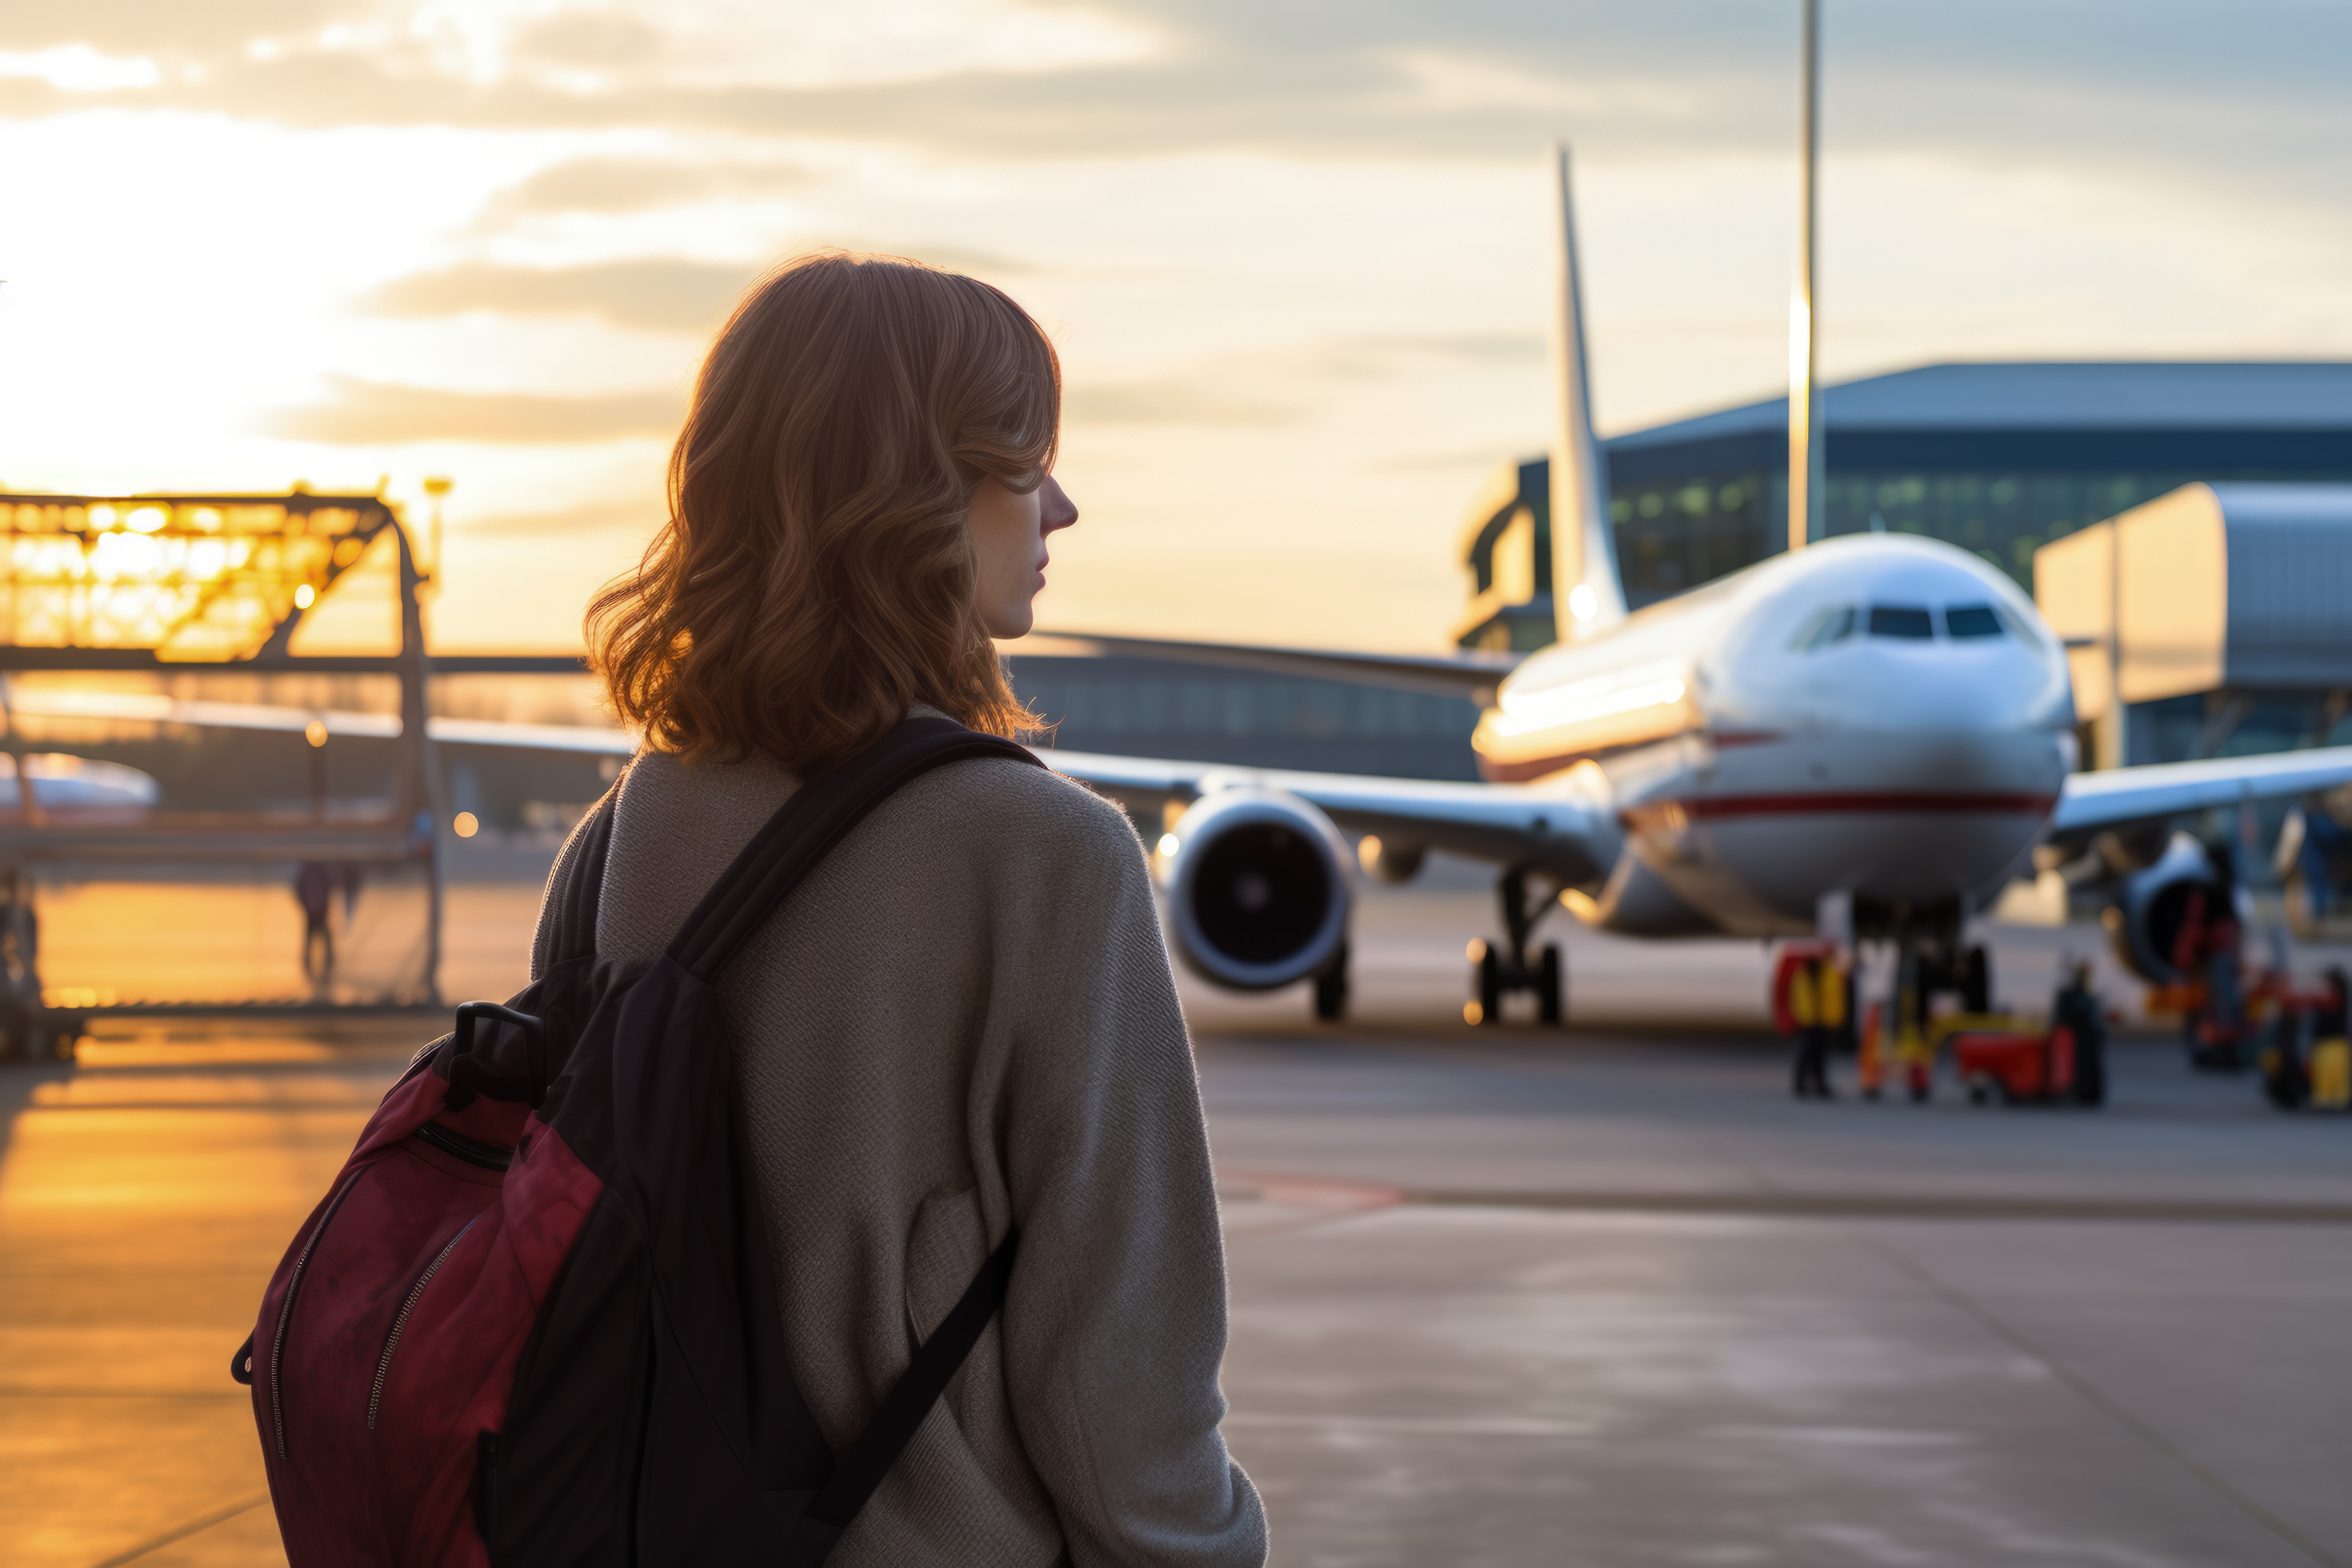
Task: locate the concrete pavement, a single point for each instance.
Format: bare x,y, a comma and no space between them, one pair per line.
1604,1296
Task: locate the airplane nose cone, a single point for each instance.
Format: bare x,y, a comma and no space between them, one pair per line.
1933,688
1888,636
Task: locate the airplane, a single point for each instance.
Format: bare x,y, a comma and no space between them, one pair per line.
1867,738
1870,738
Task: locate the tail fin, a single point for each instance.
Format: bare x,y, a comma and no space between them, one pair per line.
1586,592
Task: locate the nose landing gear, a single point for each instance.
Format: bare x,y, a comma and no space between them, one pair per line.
1495,973
1929,959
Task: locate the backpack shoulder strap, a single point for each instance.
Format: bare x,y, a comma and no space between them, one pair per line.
902,1410
819,814
571,930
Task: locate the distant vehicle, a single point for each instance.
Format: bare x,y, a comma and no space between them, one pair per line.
64,782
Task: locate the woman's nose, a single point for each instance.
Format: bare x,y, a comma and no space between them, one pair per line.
1055,509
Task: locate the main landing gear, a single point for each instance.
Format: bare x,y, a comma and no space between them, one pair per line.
1331,988
1494,974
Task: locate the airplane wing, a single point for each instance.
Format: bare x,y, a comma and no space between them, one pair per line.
1557,827
2118,796
1472,674
591,739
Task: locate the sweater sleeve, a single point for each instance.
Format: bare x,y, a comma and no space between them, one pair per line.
1115,1319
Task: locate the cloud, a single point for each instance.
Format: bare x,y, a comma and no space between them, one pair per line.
659,294
1202,396
1480,458
641,185
213,27
2244,99
637,517
2249,94
1375,356
1174,401
590,39
372,413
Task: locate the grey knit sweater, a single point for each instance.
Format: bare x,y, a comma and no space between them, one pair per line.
964,1020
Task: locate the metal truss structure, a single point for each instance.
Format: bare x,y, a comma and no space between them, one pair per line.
193,583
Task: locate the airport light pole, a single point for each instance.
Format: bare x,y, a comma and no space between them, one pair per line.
1806,466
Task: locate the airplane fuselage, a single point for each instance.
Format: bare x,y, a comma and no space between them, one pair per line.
1884,717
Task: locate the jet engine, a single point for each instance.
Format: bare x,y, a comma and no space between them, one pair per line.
2145,921
1258,889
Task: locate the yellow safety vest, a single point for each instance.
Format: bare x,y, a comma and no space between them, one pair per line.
1800,996
1828,996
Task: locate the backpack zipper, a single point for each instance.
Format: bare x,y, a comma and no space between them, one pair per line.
473,1151
285,1314
392,1340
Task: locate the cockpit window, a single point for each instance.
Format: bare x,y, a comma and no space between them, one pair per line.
1910,621
1972,621
1827,626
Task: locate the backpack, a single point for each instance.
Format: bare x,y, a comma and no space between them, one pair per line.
534,1318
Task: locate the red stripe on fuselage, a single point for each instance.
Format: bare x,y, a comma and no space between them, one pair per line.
1717,808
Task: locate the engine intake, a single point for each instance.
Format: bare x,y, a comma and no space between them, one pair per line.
2145,921
1258,889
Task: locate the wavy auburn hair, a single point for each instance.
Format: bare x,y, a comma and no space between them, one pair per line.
816,577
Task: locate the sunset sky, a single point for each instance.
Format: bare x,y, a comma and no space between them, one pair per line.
1293,255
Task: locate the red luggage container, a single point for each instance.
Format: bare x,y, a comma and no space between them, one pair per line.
2024,1067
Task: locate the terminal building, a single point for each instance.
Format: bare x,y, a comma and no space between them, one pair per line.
1142,707
2215,620
1997,459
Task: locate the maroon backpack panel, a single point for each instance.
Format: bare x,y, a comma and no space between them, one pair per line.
534,1318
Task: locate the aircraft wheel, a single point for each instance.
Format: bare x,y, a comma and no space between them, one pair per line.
1550,985
1976,981
1490,986
1331,990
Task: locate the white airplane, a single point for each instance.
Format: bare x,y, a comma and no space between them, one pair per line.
1873,734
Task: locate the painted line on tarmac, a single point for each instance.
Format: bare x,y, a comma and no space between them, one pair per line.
2106,1404
1895,1205
1330,1196
1415,1425
30,1390
218,1516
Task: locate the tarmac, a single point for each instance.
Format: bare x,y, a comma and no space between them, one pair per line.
1604,1295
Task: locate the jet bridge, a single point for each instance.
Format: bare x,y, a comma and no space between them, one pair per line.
190,583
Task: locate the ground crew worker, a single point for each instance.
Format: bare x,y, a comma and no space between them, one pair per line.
1817,1006
314,889
1912,1048
2330,1068
2076,1009
2207,951
1870,1052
